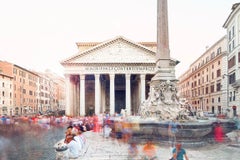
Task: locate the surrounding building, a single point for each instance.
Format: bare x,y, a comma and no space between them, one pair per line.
203,86
27,92
233,73
6,91
109,76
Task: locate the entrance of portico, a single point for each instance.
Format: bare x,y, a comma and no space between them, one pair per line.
96,95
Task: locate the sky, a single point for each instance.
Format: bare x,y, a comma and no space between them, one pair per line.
39,34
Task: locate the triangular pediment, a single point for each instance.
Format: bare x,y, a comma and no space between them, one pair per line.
117,50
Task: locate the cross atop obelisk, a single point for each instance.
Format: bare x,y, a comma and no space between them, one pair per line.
164,64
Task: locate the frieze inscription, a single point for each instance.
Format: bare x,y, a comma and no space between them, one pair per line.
120,68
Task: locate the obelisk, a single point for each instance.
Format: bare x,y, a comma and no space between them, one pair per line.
165,66
162,102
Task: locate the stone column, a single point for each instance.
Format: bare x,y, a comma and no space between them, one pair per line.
112,94
97,94
74,99
68,94
78,99
143,87
128,93
82,95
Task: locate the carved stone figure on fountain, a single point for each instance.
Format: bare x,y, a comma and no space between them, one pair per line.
162,102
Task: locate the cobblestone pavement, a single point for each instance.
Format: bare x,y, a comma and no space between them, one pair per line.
100,148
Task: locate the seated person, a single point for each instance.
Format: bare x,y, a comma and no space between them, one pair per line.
149,150
72,146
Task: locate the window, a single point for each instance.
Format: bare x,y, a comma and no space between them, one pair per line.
3,84
218,86
219,73
207,59
231,79
206,90
238,57
234,95
231,62
212,88
219,50
229,35
212,55
233,31
230,97
3,93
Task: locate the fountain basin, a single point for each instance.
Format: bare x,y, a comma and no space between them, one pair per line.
191,133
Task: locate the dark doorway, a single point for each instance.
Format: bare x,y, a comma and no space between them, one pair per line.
120,102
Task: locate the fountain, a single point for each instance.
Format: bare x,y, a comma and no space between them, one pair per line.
163,105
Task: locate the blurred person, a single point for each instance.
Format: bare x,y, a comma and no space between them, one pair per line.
218,132
149,151
118,129
179,153
172,130
126,131
132,151
236,119
96,126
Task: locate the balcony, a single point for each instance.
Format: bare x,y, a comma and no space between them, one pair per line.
236,84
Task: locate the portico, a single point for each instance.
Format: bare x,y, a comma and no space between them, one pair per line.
108,76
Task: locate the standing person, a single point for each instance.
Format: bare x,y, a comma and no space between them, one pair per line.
237,122
218,133
179,153
172,130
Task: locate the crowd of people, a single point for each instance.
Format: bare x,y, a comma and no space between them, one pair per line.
116,127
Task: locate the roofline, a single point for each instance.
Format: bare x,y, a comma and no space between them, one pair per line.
235,8
103,44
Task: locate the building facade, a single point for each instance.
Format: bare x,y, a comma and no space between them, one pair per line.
24,92
233,46
109,76
203,86
6,93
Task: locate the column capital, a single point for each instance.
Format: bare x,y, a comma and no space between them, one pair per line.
82,76
143,76
96,76
127,76
112,76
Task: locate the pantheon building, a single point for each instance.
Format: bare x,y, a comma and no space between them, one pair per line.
109,76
